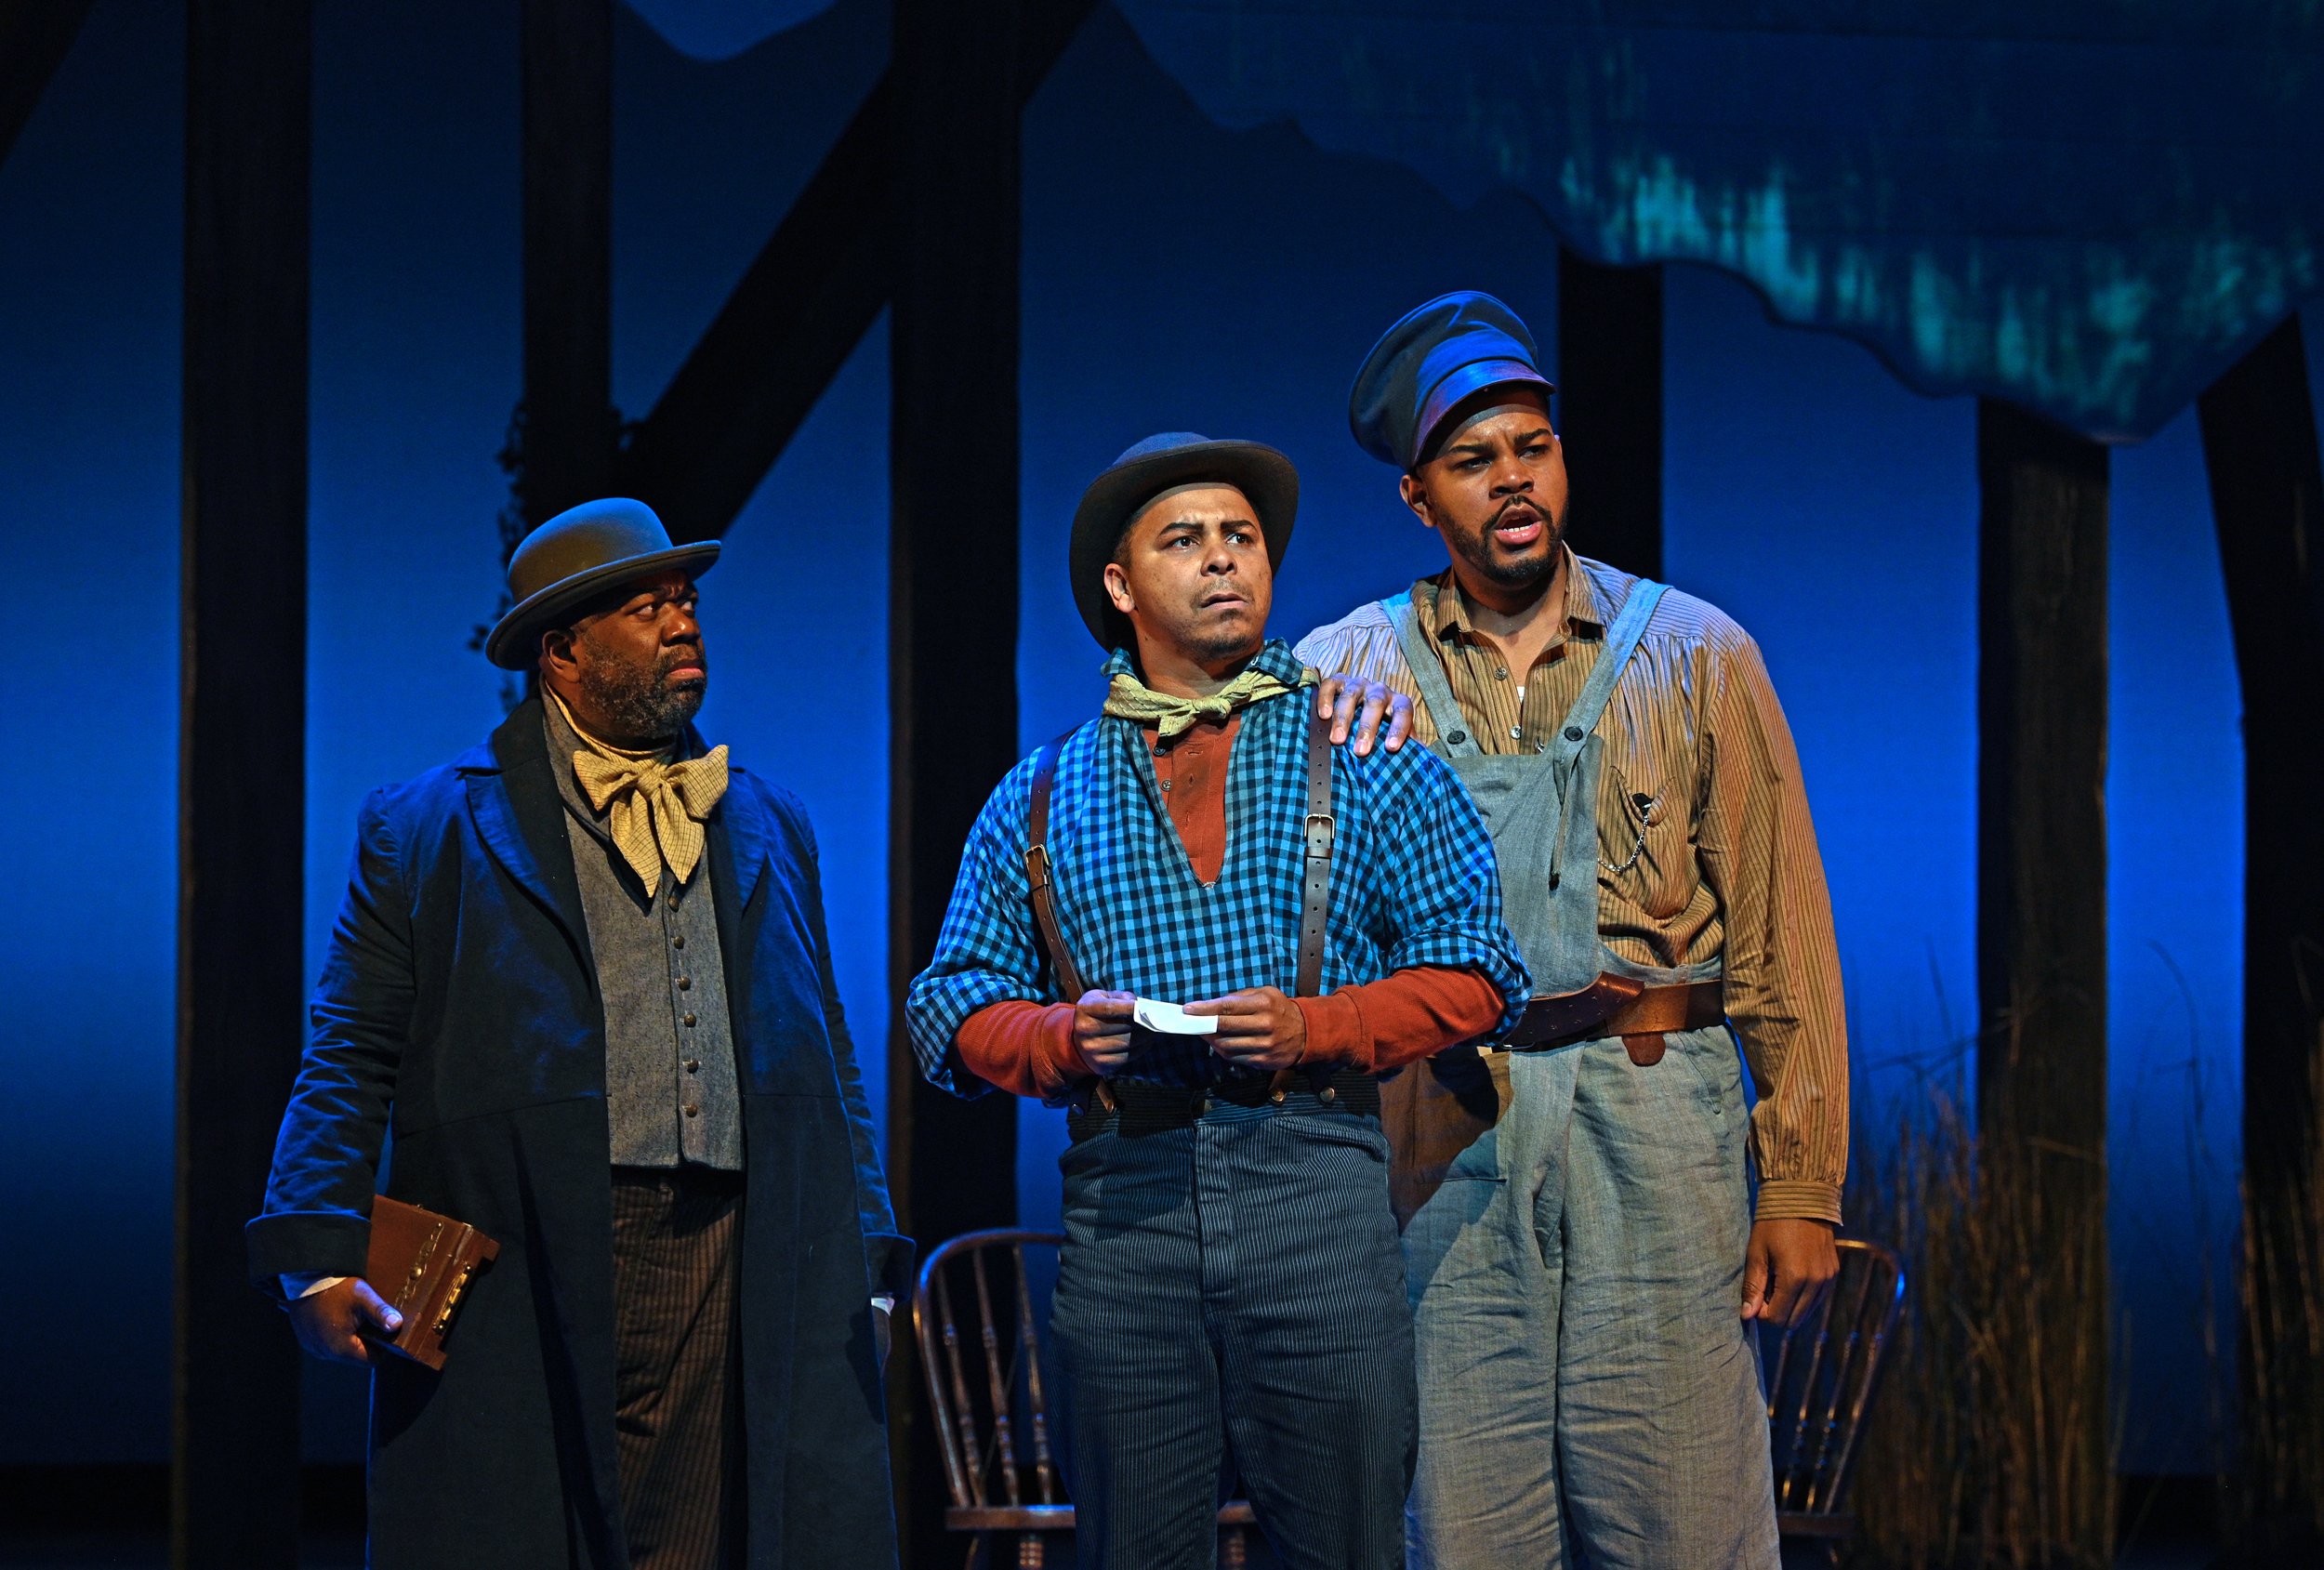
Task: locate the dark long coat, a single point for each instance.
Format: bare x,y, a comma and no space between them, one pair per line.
459,1002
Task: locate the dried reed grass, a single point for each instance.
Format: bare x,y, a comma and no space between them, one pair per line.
1982,1453
2276,1500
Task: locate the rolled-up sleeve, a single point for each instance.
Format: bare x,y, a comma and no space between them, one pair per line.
1758,853
987,951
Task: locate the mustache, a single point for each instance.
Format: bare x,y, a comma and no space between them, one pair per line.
1512,504
684,656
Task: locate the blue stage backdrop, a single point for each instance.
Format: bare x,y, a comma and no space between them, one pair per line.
1176,275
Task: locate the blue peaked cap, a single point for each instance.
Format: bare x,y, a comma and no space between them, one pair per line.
1424,365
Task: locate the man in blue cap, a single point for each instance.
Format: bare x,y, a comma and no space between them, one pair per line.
1214,1005
583,971
1582,1251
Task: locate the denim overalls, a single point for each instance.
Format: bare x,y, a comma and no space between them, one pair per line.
1588,1392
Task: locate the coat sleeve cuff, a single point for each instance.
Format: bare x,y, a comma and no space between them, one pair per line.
1798,1199
890,1256
305,1243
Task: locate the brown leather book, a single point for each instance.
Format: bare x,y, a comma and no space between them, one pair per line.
422,1263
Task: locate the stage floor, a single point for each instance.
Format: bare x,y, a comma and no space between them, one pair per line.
93,1550
149,1551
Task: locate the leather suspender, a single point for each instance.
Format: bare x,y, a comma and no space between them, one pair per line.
1319,829
1318,832
1036,872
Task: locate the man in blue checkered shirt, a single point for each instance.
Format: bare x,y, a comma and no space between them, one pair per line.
1230,1293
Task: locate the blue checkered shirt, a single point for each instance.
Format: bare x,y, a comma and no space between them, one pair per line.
1413,882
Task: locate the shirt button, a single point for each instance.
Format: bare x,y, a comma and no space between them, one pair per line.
1515,734
693,1065
1500,673
689,1019
685,983
691,1110
1166,784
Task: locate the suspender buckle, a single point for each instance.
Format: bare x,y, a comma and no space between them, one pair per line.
1037,866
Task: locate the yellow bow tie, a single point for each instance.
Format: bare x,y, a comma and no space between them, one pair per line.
1132,699
656,808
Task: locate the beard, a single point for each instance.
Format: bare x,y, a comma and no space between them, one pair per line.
1477,548
636,695
1215,643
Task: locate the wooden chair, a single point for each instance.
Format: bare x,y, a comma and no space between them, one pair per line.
1821,1379
991,1417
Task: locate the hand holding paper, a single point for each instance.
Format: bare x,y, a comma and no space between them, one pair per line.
1260,1029
1102,1031
1171,1019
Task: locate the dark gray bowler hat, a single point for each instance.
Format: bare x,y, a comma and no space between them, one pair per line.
575,556
1159,463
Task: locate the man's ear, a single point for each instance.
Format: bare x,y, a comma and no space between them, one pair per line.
1415,496
556,649
1118,588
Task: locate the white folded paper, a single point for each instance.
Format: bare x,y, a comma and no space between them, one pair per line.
1171,1019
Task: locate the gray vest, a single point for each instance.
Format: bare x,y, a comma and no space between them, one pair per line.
670,1094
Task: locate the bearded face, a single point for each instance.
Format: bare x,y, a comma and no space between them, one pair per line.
649,694
633,671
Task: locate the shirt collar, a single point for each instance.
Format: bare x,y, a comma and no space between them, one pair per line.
1274,657
1448,613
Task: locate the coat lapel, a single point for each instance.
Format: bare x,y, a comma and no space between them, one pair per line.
735,843
521,819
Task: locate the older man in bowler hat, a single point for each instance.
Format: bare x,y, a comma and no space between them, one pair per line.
582,972
1585,1262
1205,931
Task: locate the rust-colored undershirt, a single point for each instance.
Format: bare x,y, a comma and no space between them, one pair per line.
1374,1027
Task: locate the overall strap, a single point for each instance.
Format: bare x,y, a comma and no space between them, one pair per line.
1315,885
1036,871
1428,674
1621,642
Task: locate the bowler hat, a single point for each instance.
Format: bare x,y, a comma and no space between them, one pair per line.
1159,463
577,554
1438,354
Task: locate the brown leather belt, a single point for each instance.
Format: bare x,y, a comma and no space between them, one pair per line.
1620,1006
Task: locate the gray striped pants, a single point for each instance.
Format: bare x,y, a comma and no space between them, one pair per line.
678,1384
1231,1297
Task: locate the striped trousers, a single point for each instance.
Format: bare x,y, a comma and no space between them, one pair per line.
678,1385
1230,1298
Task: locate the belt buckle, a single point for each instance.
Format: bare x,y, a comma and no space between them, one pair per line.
1319,839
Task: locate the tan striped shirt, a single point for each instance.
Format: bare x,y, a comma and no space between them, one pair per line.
1701,809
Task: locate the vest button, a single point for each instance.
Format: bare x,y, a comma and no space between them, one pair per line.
689,1019
1572,732
1327,1094
685,983
691,1110
693,1065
